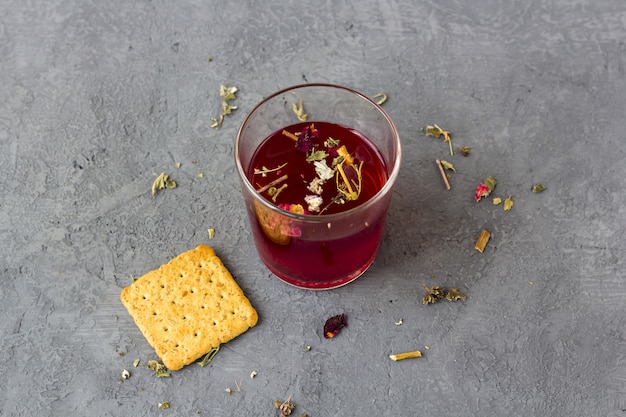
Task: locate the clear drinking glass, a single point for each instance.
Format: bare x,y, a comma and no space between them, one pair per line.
317,251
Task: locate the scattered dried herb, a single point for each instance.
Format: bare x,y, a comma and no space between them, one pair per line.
136,363
253,374
448,165
298,109
455,295
399,322
406,355
382,97
227,94
211,233
285,407
496,201
125,374
334,325
481,243
159,369
443,174
437,132
307,348
436,293
209,356
178,164
537,188
161,182
465,150
433,294
508,203
165,404
485,188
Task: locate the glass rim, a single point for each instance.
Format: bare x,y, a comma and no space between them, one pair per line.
320,218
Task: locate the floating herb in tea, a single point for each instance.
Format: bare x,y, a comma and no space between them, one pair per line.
333,325
316,154
537,188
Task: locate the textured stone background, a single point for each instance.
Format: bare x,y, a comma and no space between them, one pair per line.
99,97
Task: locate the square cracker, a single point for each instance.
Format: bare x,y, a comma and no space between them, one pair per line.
188,306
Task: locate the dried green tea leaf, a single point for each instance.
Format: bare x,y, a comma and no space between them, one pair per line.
162,373
316,156
298,109
465,150
382,98
537,188
447,165
496,201
165,404
209,356
337,161
455,295
136,363
436,131
331,143
214,123
508,203
491,183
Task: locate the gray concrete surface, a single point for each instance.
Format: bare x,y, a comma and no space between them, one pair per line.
100,97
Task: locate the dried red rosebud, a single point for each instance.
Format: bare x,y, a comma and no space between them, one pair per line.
305,140
481,191
334,324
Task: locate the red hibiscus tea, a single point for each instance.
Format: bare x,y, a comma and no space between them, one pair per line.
317,192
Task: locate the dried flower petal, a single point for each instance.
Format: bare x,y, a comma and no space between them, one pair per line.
304,143
481,191
334,325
